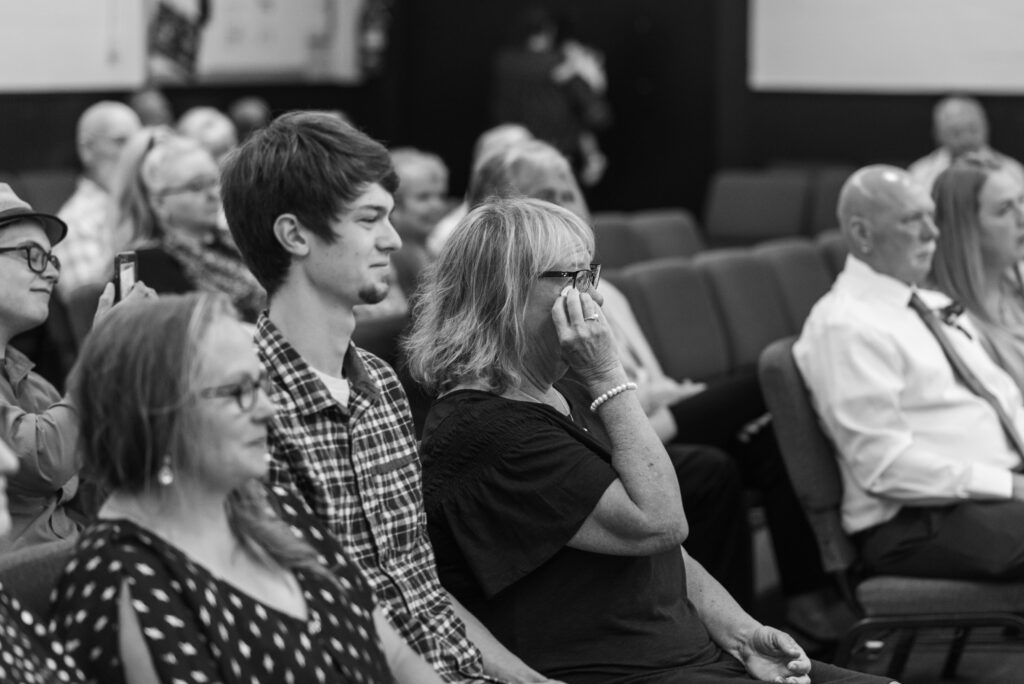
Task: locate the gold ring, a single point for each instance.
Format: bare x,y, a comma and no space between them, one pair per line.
592,317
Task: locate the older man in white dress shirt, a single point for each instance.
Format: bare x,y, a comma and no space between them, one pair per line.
929,465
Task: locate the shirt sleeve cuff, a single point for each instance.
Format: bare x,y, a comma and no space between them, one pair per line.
989,482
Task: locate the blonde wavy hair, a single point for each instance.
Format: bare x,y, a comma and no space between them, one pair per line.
468,317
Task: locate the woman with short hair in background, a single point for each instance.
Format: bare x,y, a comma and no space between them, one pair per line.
167,207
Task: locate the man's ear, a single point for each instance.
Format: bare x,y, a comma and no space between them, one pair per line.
860,232
291,235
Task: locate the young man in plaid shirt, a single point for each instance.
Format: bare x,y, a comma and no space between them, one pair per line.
308,200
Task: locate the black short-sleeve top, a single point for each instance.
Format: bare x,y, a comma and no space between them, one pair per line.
199,628
507,484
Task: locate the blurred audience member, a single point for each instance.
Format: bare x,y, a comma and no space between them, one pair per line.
308,200
555,87
168,208
87,254
249,114
29,655
960,127
420,202
211,128
191,574
979,210
928,428
40,425
152,107
489,142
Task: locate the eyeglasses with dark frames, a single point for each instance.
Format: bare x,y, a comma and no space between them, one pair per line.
246,391
36,257
584,280
198,185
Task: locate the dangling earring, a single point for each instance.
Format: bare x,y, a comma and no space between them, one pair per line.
165,476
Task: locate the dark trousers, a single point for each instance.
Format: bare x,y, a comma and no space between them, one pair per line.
714,417
971,540
719,538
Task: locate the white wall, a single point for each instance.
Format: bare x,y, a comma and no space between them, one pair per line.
923,46
81,45
71,45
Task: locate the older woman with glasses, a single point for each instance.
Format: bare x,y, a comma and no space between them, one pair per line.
191,572
979,209
553,508
167,207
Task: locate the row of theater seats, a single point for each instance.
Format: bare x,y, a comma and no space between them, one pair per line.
625,238
744,207
707,316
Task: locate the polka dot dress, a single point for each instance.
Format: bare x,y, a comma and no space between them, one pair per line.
201,629
23,657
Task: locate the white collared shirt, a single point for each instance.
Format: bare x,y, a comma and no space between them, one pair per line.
908,432
926,169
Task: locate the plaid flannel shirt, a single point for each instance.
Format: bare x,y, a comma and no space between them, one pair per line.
358,468
87,253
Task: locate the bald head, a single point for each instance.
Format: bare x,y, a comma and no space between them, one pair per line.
960,125
871,189
888,222
211,128
102,131
496,139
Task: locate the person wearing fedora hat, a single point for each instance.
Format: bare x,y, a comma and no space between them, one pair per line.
40,426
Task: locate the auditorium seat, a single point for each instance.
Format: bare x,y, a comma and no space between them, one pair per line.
833,248
748,301
380,336
889,607
616,245
746,207
675,309
825,184
664,233
800,272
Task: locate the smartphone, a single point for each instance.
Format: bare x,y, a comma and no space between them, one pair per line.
125,265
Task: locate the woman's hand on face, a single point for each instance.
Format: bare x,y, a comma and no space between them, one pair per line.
584,335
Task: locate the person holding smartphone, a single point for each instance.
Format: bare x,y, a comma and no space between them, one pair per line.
40,425
168,209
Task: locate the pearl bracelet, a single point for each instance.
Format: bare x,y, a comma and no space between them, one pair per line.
618,389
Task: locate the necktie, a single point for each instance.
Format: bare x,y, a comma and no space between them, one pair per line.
964,372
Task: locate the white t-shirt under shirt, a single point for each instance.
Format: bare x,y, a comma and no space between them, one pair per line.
338,387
